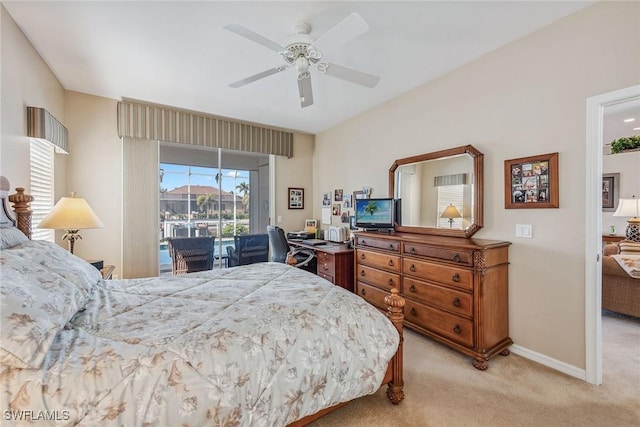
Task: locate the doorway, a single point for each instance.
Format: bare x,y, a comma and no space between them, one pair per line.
593,225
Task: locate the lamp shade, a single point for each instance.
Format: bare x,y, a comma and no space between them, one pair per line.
628,208
451,212
71,213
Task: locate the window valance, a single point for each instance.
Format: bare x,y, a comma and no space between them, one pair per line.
145,121
42,125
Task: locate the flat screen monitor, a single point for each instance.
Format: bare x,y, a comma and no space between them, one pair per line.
375,213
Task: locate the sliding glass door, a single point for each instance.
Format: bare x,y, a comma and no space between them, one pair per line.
210,193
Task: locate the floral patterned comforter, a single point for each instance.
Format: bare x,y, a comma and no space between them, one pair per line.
258,345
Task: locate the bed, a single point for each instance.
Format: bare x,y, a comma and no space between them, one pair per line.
260,345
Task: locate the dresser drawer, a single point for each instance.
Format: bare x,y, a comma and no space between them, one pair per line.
452,255
379,260
379,278
449,275
450,300
372,295
448,325
372,242
326,263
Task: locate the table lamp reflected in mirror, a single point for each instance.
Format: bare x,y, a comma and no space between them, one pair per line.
450,213
71,214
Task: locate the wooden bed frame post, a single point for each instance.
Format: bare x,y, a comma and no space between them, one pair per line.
395,312
21,202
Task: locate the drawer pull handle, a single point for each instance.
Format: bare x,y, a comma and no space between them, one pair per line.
412,251
414,312
456,302
325,266
363,292
362,256
456,277
412,268
364,242
390,282
456,258
391,247
362,273
412,288
390,263
457,329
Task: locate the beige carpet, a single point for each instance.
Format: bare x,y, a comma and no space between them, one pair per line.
443,389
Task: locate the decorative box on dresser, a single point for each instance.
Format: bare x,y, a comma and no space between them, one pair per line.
456,289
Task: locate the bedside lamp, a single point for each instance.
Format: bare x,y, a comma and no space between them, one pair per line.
450,213
630,208
71,214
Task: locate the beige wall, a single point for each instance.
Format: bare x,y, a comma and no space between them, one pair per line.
95,172
296,172
26,81
526,98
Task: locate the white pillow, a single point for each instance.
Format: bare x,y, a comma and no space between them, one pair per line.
10,237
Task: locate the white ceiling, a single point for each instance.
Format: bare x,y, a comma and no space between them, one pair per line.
177,53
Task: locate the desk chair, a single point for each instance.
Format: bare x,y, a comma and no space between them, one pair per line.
190,254
249,249
305,258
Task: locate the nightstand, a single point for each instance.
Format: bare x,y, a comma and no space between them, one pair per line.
107,271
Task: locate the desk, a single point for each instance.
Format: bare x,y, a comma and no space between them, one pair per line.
335,262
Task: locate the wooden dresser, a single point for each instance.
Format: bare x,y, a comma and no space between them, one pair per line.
456,289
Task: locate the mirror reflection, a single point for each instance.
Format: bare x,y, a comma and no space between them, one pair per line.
440,192
436,193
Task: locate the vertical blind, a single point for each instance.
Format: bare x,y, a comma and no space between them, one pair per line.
159,123
140,207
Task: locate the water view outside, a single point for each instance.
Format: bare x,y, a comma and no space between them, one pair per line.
202,202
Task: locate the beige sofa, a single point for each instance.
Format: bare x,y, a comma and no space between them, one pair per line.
620,292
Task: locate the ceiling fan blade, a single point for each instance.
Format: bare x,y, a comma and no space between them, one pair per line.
351,75
258,76
350,28
255,37
304,89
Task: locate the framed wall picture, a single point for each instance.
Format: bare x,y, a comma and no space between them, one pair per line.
296,198
531,182
610,191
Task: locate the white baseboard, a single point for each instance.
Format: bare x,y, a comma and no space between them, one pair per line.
550,362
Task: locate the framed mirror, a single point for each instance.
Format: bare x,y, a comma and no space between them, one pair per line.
440,193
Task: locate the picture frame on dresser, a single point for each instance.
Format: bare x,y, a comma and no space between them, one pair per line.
610,191
531,182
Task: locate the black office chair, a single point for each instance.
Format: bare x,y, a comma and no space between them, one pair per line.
305,258
248,249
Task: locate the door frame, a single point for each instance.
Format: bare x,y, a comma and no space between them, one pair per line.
593,226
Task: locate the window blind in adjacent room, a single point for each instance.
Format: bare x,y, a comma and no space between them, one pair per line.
151,122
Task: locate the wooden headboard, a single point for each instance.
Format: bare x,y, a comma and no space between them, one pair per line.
21,207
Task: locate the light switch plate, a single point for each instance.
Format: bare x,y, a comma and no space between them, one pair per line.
524,230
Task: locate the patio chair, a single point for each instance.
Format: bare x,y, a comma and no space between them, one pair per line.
248,249
191,254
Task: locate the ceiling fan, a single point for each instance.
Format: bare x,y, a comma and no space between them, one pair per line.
302,51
